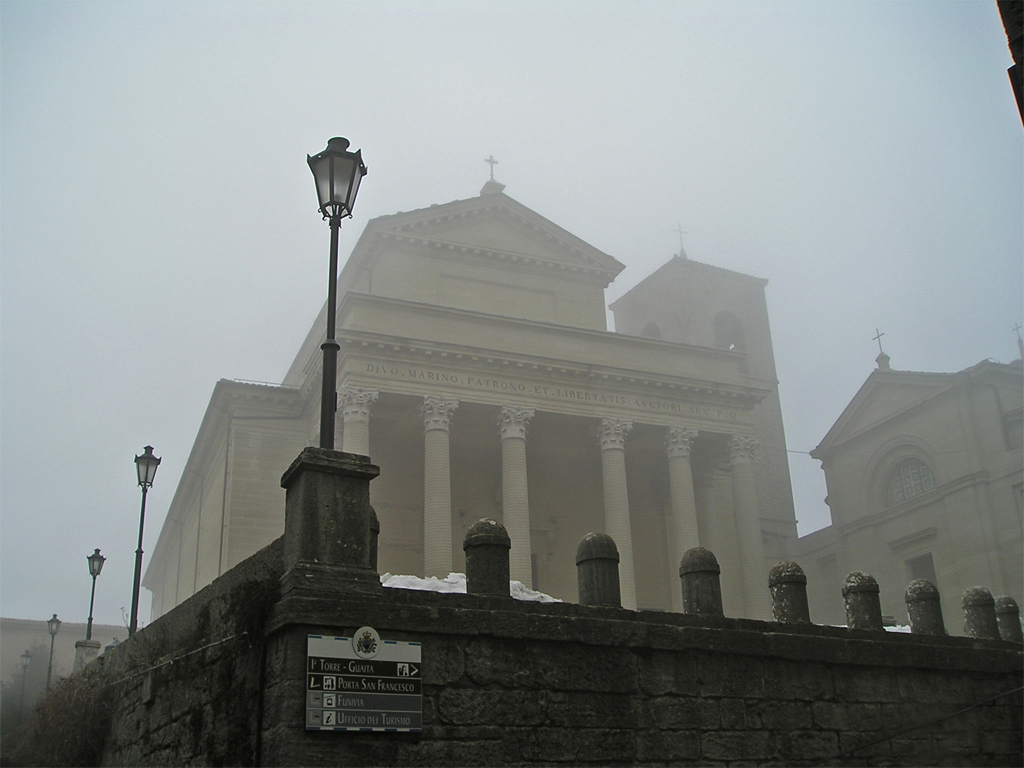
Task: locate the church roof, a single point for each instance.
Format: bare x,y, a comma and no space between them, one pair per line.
517,235
887,393
679,263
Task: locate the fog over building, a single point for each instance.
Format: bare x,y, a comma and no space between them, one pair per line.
925,476
477,370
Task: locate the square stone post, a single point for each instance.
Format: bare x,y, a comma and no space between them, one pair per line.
86,651
328,523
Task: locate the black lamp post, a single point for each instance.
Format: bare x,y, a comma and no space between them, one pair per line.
145,466
53,626
96,561
337,173
26,658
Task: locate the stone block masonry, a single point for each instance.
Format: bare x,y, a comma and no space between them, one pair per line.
510,683
222,680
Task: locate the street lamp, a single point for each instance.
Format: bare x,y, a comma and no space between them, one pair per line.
145,466
53,626
26,657
96,561
337,173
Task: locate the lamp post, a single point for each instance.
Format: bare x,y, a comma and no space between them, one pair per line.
145,466
26,658
337,173
96,561
53,626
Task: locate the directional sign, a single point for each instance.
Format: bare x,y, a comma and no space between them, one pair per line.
363,683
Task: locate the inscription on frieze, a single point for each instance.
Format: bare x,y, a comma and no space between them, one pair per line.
549,391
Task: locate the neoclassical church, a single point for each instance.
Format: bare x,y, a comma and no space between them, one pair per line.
477,371
925,479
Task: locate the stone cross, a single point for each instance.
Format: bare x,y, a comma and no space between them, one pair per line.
491,162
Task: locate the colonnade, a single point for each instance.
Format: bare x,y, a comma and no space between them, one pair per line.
611,433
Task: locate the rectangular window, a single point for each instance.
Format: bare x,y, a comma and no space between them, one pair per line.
922,567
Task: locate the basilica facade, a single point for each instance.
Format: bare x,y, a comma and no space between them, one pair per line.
477,371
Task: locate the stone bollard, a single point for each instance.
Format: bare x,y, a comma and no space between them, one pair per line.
487,545
699,573
923,608
863,609
1008,619
788,585
597,570
980,614
374,537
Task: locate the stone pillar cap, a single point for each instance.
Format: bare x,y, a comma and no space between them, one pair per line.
1006,604
978,596
597,546
921,589
331,462
858,581
486,531
697,560
786,572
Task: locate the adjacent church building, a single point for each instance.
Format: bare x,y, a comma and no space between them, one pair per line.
925,479
477,371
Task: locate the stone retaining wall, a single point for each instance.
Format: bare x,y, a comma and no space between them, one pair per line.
221,679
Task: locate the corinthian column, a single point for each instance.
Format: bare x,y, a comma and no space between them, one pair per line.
355,412
754,579
437,486
612,436
515,502
678,445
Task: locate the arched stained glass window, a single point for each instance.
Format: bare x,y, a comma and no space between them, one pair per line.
910,478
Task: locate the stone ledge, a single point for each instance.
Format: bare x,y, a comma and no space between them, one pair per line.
414,613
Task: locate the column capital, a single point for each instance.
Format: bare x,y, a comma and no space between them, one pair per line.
437,411
679,441
513,421
356,401
742,447
612,433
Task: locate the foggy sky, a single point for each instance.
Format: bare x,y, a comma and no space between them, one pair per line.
158,223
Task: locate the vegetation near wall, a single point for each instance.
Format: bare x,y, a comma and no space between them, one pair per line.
185,689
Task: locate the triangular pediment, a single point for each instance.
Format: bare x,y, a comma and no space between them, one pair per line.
884,395
488,254
491,228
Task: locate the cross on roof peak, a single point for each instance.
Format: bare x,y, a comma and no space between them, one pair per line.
680,231
491,162
878,338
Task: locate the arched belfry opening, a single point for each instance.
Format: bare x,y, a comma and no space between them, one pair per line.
728,332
